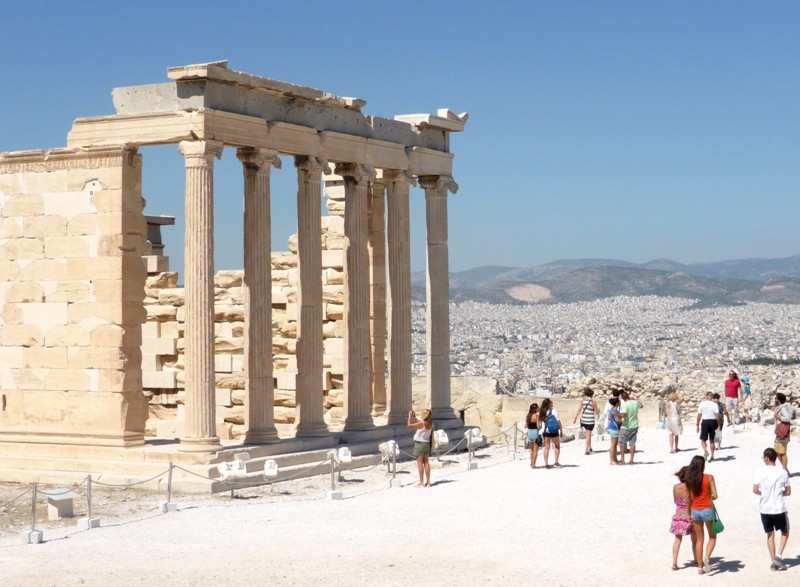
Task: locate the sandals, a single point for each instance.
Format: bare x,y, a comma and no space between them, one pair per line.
706,565
674,567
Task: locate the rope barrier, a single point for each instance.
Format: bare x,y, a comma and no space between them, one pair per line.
23,494
134,484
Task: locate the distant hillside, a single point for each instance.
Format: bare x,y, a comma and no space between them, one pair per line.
723,283
757,270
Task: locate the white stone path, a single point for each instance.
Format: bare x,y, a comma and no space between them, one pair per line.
502,524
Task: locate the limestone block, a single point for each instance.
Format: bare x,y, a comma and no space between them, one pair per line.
333,224
278,296
286,380
338,328
10,270
171,297
155,263
328,329
223,329
151,330
159,346
81,224
333,346
282,260
47,225
117,290
159,379
334,277
64,335
109,312
286,328
37,357
333,294
228,313
222,397
334,242
335,363
285,397
228,279
11,356
237,397
29,379
229,345
22,248
45,270
237,329
236,295
279,276
25,291
333,259
151,363
222,364
334,311
170,329
102,357
161,280
67,380
161,313
292,243
11,228
237,364
46,315
72,203
233,381
62,247
284,415
25,205
11,314
115,335
22,335
334,399
68,291
115,245
335,207
235,415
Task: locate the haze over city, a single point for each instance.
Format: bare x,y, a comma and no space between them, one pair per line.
621,130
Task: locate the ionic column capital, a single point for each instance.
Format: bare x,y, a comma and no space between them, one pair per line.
356,172
200,153
441,183
258,159
398,176
311,164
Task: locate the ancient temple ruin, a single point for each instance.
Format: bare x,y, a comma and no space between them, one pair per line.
78,346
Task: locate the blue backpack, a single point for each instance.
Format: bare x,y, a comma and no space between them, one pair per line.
550,423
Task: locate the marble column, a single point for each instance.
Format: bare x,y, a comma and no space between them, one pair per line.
200,429
376,246
309,394
357,402
437,316
259,385
398,233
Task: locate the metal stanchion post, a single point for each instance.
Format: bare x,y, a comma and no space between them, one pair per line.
333,494
32,536
168,506
88,522
515,440
395,482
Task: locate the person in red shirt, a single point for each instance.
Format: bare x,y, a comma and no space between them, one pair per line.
733,392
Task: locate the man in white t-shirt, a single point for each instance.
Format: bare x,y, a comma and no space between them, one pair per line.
772,484
708,420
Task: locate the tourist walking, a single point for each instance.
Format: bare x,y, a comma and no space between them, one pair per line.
534,438
674,422
708,420
783,426
771,484
703,492
423,438
733,392
681,520
723,413
747,399
629,428
614,419
552,431
587,412
607,410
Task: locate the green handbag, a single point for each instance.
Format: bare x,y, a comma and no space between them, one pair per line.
717,526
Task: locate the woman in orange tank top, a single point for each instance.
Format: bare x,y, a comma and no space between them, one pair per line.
703,491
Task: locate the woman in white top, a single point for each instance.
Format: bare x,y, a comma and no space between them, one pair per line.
422,444
674,423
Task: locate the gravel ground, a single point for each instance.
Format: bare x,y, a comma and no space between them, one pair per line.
587,523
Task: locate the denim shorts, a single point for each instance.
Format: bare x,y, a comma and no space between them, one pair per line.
703,515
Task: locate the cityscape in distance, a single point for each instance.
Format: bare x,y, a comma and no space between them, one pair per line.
660,321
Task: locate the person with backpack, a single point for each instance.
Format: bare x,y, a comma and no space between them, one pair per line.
552,431
629,428
783,427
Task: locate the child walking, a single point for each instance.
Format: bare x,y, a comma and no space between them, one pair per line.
681,521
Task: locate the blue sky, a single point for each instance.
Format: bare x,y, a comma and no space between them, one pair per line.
627,130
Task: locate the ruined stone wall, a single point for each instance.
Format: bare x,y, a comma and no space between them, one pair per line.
72,237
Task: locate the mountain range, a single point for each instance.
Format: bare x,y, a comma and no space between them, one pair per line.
719,283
